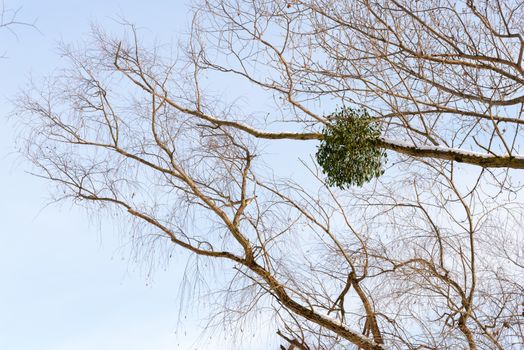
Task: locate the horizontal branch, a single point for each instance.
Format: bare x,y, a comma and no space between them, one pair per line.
474,158
483,160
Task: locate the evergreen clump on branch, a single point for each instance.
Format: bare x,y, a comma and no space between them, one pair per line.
349,152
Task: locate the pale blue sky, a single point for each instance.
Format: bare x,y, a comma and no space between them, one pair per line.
65,284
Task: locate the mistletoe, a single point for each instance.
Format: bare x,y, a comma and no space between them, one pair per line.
349,152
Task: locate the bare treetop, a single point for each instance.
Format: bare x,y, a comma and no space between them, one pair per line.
427,69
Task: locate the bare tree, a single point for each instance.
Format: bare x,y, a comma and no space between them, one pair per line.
428,256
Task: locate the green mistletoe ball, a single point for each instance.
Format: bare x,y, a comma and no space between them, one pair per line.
349,152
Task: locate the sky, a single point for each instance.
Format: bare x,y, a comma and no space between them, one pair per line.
65,281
